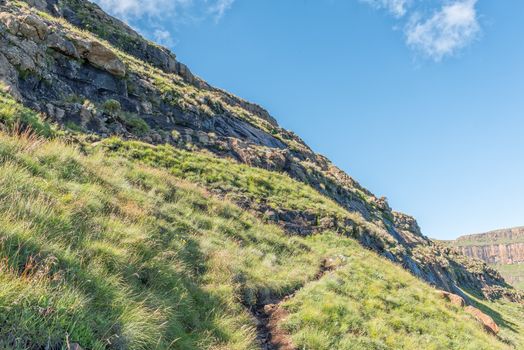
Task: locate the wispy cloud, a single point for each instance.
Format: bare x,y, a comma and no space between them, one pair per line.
450,29
218,8
163,37
140,8
158,18
397,7
143,8
444,30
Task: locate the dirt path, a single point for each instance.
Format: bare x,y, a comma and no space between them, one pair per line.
270,336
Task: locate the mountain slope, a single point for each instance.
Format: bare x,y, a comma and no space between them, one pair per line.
155,211
503,249
111,254
87,85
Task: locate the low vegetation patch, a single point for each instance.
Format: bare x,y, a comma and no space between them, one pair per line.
274,189
15,116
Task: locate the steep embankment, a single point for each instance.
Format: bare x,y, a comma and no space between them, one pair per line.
130,87
503,249
156,212
108,253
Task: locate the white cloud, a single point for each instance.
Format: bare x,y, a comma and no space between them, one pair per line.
450,29
163,37
157,19
397,7
219,7
166,8
137,8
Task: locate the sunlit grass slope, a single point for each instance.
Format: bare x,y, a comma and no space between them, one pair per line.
370,306
112,253
121,256
278,190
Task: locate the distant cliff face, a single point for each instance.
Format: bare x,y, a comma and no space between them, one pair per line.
496,247
496,253
502,248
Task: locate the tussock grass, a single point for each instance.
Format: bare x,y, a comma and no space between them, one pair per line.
112,253
14,116
368,305
117,255
276,189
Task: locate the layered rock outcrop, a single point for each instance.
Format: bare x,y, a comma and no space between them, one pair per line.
503,249
495,247
108,80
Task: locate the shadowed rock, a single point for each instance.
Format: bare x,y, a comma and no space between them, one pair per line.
484,319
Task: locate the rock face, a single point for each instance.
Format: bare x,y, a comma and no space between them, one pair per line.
502,248
495,247
74,75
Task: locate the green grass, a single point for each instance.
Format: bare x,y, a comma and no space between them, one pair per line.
368,305
136,124
113,254
507,315
241,183
513,273
278,190
14,116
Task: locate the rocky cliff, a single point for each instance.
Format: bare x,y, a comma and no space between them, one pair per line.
499,248
495,247
92,74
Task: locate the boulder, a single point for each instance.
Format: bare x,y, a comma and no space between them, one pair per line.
28,26
100,56
489,325
22,59
106,59
58,43
452,298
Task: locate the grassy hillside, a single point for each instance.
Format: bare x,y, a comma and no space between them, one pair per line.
113,254
124,245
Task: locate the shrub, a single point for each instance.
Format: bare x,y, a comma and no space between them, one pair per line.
112,107
73,126
137,124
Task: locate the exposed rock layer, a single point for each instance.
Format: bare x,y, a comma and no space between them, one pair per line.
495,247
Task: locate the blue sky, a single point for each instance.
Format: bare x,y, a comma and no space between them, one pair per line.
422,101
